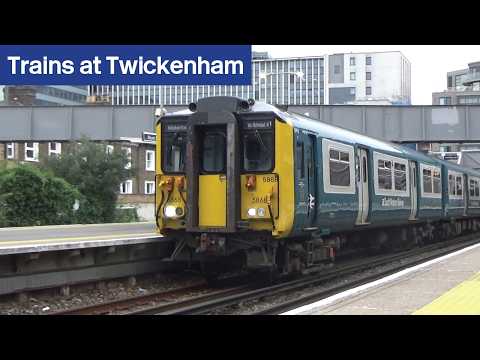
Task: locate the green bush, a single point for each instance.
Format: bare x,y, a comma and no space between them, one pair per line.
96,174
125,215
29,196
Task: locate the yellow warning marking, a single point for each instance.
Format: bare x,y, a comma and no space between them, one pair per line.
70,239
463,299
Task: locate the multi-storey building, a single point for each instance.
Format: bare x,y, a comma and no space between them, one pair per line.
381,78
463,87
310,80
26,95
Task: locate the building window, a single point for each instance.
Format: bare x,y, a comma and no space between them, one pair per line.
449,82
336,69
352,76
109,149
368,60
150,160
126,187
368,90
31,151
149,187
128,151
352,61
352,91
445,100
54,148
368,75
10,154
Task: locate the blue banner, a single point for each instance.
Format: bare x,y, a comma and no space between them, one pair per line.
125,65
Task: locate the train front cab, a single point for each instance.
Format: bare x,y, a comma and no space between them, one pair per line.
224,179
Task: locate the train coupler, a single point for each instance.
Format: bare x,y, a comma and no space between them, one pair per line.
212,244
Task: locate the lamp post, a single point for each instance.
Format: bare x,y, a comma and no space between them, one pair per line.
263,76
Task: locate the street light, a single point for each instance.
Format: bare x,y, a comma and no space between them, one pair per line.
263,76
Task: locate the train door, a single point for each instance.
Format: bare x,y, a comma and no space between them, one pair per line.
310,156
362,185
212,181
413,190
306,193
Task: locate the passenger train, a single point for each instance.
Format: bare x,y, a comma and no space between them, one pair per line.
244,185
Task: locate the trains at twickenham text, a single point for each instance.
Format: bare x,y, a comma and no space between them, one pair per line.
244,185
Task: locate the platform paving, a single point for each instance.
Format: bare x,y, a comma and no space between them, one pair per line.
449,286
49,238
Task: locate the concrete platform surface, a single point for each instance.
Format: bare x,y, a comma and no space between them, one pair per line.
49,238
447,285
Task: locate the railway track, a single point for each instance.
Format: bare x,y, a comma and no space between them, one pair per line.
218,302
132,302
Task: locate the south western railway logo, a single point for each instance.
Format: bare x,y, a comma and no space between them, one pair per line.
389,202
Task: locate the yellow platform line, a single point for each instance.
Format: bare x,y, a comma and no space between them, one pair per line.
463,299
70,239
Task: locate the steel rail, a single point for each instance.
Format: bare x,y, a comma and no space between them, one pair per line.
134,301
208,304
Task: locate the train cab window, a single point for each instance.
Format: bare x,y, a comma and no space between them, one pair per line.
339,168
385,174
400,177
174,149
213,151
257,151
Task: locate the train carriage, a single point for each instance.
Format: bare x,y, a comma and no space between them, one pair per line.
245,184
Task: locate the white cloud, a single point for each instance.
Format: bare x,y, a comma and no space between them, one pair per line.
430,63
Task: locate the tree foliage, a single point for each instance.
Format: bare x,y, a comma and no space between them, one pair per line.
29,196
96,173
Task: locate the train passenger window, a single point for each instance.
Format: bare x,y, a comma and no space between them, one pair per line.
459,186
339,168
472,187
174,149
385,174
400,177
477,189
436,182
213,152
451,185
257,151
427,180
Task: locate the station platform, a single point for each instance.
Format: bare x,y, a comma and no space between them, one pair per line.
449,285
65,237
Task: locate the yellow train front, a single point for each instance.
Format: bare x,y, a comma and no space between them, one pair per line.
225,184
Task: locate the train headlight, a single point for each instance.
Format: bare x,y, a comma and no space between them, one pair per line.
170,211
261,212
252,212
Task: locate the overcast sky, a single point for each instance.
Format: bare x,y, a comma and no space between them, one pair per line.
430,63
